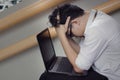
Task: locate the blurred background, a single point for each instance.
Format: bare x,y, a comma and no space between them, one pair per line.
4,4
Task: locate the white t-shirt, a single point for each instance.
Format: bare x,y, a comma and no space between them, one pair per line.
101,46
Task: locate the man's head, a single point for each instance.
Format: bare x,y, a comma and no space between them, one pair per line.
64,11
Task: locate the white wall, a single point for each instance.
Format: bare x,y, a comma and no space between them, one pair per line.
28,65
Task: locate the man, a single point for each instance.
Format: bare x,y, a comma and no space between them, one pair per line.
99,46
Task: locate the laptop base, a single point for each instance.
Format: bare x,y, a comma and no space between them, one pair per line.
63,66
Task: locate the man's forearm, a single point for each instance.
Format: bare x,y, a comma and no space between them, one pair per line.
69,51
74,45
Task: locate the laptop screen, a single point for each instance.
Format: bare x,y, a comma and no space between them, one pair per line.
46,47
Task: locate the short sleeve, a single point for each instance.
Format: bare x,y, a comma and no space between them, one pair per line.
91,48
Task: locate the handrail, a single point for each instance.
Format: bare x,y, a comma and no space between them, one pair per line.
20,47
27,12
31,41
109,6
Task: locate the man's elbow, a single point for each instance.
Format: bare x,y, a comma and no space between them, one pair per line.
76,69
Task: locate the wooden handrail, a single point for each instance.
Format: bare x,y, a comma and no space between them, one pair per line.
27,12
20,47
31,41
109,6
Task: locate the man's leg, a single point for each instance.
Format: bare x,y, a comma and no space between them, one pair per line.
92,75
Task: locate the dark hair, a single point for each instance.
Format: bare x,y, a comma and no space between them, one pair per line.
65,11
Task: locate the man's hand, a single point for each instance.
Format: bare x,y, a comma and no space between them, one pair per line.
63,28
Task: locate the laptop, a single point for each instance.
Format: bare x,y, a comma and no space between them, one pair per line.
53,63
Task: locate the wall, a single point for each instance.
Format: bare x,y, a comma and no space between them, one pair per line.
29,65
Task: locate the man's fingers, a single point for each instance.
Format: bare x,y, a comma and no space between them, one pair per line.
67,22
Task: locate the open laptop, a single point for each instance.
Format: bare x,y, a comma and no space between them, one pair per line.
53,63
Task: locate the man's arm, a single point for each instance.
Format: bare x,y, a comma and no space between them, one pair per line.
69,51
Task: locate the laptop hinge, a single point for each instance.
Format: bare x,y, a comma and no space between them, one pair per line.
53,63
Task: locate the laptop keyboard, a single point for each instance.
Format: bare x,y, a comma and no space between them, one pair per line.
64,65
